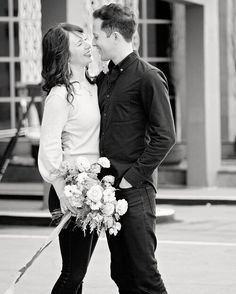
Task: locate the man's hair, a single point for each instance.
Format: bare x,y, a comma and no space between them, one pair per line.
117,18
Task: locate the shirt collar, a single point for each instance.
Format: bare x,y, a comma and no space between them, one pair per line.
124,63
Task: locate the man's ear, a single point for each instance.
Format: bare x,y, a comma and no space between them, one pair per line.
116,36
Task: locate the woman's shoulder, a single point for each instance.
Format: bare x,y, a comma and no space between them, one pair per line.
57,91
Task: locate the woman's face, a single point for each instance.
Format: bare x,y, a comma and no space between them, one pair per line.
80,49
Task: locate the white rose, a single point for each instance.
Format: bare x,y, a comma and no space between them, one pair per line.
109,194
95,205
108,179
82,163
76,202
74,189
108,209
95,193
95,168
108,220
115,229
90,182
104,162
118,226
121,206
111,231
68,191
81,177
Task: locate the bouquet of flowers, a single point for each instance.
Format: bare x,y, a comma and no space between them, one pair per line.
94,199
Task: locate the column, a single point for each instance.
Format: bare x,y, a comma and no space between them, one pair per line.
203,94
227,11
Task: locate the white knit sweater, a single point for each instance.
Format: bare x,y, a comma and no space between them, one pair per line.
68,131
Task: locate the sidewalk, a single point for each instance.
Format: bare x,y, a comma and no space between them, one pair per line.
26,209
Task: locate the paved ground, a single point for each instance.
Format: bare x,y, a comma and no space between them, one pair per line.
196,253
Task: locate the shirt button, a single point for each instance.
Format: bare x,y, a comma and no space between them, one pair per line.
104,114
108,95
102,133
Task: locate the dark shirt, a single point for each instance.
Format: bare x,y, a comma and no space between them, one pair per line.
137,128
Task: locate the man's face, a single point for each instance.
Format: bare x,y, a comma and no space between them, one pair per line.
104,44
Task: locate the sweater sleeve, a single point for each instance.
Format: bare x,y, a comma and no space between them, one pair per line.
55,116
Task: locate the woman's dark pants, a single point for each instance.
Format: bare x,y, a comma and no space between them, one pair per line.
76,250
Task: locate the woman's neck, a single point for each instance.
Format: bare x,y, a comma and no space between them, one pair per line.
78,74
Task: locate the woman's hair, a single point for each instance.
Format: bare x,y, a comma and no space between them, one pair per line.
56,55
117,18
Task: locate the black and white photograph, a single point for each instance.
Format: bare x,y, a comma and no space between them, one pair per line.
118,146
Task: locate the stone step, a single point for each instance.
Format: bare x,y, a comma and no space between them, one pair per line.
22,169
26,190
176,175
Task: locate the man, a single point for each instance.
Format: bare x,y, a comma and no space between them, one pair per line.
137,131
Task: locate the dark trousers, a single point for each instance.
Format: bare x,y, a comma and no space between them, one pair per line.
76,251
133,263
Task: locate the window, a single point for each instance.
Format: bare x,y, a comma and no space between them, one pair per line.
15,37
155,21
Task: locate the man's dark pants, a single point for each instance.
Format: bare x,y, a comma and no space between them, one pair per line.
133,263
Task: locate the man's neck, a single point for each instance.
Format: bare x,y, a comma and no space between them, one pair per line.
123,52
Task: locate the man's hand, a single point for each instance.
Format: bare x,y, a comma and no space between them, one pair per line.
125,184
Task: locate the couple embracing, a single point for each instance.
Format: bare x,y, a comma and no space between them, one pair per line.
123,115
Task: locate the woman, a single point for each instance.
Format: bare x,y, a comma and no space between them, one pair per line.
70,127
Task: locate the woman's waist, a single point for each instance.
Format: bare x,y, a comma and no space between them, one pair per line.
92,157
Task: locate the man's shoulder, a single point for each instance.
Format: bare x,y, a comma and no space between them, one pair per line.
148,70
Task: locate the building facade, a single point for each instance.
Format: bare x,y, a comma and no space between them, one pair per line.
192,41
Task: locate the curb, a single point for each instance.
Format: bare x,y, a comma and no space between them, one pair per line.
195,200
25,218
165,215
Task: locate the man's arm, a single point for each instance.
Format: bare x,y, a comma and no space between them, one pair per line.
155,98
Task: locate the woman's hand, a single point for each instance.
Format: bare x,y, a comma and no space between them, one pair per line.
65,205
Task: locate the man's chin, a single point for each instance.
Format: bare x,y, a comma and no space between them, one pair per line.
104,58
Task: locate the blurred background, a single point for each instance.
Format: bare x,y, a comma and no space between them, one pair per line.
192,42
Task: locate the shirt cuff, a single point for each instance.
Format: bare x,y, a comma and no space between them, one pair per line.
59,185
134,177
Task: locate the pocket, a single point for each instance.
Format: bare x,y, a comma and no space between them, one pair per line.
151,199
126,189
